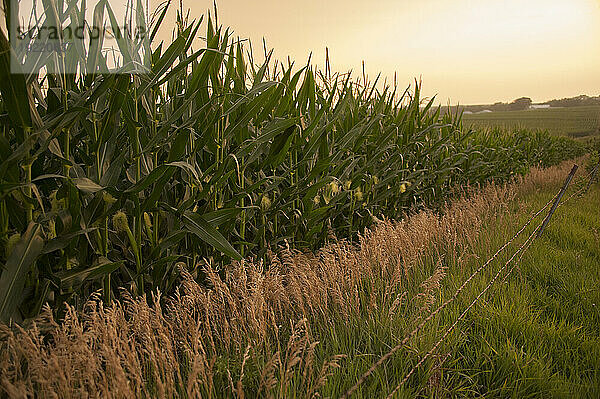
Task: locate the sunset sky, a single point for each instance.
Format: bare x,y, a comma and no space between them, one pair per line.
465,51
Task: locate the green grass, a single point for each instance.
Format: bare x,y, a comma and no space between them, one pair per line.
572,121
536,335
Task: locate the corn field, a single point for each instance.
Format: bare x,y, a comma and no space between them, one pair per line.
112,181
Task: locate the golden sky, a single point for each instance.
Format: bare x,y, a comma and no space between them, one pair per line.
465,51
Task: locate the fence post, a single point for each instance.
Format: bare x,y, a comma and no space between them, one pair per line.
592,177
560,195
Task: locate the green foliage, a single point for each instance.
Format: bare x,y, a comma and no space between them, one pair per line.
211,157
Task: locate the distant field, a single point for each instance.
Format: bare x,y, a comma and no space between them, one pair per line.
573,121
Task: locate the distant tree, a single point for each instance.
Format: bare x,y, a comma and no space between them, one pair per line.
520,104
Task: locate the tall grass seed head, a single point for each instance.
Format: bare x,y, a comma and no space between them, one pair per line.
147,220
347,185
120,222
10,244
358,194
317,200
265,203
334,187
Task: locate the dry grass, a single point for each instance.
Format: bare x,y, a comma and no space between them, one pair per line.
250,334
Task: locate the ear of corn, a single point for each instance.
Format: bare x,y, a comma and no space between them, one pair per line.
209,156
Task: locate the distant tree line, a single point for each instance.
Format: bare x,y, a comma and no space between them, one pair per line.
524,103
575,101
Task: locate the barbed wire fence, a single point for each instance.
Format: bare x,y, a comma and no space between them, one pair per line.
536,233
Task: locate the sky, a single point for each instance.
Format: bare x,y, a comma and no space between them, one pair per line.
464,51
468,52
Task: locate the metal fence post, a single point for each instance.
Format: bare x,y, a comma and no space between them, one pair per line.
560,195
